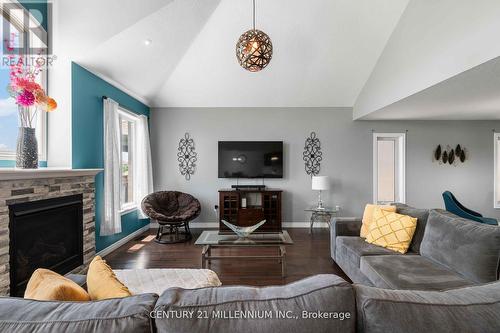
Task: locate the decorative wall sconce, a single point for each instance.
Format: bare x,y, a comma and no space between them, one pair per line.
186,156
312,155
450,155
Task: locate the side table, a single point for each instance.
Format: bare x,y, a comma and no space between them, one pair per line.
321,215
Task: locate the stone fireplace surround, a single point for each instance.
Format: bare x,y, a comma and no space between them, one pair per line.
18,186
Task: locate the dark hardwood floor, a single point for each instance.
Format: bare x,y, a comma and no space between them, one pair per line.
309,255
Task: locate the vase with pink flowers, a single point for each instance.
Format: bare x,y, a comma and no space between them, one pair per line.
31,99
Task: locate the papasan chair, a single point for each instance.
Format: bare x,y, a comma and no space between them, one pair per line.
172,210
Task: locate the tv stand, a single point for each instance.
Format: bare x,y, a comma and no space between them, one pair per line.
248,187
262,204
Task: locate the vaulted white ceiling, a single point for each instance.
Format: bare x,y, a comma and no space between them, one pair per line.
324,50
471,95
441,62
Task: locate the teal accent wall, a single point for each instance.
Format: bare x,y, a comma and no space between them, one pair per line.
88,147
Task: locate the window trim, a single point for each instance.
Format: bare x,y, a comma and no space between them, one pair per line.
128,208
7,155
123,113
400,186
496,175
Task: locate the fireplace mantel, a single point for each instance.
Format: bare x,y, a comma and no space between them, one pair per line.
14,174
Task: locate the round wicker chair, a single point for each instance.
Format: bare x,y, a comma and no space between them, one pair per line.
172,210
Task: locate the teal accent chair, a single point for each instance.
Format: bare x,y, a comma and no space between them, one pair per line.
454,206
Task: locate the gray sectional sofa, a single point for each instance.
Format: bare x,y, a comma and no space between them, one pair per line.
446,252
319,304
442,285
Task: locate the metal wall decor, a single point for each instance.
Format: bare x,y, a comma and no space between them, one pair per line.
254,48
186,156
312,155
450,155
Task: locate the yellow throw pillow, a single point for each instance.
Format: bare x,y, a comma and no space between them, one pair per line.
368,216
391,230
102,282
46,285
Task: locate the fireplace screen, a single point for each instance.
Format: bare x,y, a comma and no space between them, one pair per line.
44,234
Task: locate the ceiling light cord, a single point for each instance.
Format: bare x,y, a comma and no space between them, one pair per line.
253,14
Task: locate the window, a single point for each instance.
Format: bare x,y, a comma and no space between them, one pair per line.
8,109
127,130
389,154
496,177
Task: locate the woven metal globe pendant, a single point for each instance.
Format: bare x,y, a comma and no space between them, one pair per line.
254,50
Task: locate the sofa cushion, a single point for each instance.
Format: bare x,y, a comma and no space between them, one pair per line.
470,309
352,271
130,314
409,272
218,309
79,279
464,246
351,249
421,215
343,226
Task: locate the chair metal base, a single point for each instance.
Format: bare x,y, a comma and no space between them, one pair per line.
173,234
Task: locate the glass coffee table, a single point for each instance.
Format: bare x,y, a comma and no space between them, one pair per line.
212,239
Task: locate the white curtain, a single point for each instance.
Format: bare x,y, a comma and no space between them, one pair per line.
143,170
111,223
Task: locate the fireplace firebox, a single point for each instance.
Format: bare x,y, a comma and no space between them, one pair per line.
44,234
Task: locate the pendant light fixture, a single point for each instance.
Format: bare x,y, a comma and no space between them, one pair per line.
254,49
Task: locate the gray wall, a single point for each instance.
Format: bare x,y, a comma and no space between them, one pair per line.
347,156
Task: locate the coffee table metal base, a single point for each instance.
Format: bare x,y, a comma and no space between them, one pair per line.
207,257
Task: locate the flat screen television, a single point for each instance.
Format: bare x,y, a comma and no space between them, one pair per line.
250,159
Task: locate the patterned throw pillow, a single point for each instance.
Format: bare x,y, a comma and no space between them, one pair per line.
368,217
391,230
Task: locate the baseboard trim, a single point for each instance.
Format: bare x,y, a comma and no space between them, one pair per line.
215,225
122,241
194,225
304,225
204,225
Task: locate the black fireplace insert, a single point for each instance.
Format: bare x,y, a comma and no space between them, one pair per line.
44,234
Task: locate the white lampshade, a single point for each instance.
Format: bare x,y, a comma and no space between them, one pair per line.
320,183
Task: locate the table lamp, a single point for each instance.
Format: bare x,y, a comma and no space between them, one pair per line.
320,183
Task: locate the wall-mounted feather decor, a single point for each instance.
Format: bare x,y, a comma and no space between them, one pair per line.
450,155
